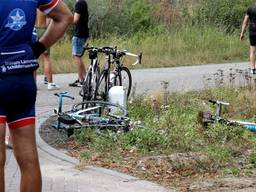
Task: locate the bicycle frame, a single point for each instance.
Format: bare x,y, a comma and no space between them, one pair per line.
90,82
91,116
114,56
217,118
60,100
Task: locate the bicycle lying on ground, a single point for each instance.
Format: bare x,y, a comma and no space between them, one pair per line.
100,114
119,76
206,118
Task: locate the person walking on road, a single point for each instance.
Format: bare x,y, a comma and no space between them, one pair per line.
250,19
42,23
81,34
18,62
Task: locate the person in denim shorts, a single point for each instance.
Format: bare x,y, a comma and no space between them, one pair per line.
81,34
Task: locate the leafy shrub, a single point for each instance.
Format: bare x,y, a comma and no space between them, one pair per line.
119,16
222,13
145,140
85,136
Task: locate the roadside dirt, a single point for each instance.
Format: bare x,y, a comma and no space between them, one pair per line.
173,171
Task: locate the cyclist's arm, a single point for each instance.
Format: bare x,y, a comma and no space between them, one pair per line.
61,19
244,25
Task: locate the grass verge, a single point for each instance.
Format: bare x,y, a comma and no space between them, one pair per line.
173,145
180,46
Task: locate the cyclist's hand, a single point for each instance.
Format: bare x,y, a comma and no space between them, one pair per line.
241,37
38,48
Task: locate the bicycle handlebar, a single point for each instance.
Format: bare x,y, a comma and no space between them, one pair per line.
64,94
108,50
139,56
218,102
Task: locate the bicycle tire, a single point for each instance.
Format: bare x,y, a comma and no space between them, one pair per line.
94,82
124,78
89,87
94,103
66,119
104,115
103,86
85,91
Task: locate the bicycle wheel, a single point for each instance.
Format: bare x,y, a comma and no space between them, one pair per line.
124,78
67,119
102,86
104,115
94,82
86,91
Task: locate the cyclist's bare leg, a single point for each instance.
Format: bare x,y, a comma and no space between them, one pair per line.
252,57
47,67
2,155
80,66
25,151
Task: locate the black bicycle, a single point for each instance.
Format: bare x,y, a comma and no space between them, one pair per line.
119,75
89,86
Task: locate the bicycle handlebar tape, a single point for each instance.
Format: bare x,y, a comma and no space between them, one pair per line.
38,48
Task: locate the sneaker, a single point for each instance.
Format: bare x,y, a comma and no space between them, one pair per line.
77,83
8,142
52,86
45,81
253,71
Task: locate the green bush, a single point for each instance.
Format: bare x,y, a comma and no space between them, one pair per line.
222,13
119,17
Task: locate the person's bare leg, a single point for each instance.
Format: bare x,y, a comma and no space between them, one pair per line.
2,156
252,57
81,68
47,67
25,151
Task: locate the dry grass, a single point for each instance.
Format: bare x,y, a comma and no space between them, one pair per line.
178,47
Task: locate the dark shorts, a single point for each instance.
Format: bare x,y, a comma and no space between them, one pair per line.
17,100
252,38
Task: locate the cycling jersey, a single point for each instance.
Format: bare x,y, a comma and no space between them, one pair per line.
17,21
17,61
251,12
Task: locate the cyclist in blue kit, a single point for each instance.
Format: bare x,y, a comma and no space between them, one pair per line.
18,61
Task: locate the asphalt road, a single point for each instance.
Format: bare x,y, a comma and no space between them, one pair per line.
180,79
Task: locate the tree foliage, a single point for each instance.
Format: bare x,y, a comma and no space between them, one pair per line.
126,17
222,13
119,16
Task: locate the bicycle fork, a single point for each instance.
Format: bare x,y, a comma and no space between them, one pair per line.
60,101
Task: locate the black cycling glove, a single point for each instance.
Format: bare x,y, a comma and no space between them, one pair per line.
38,48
